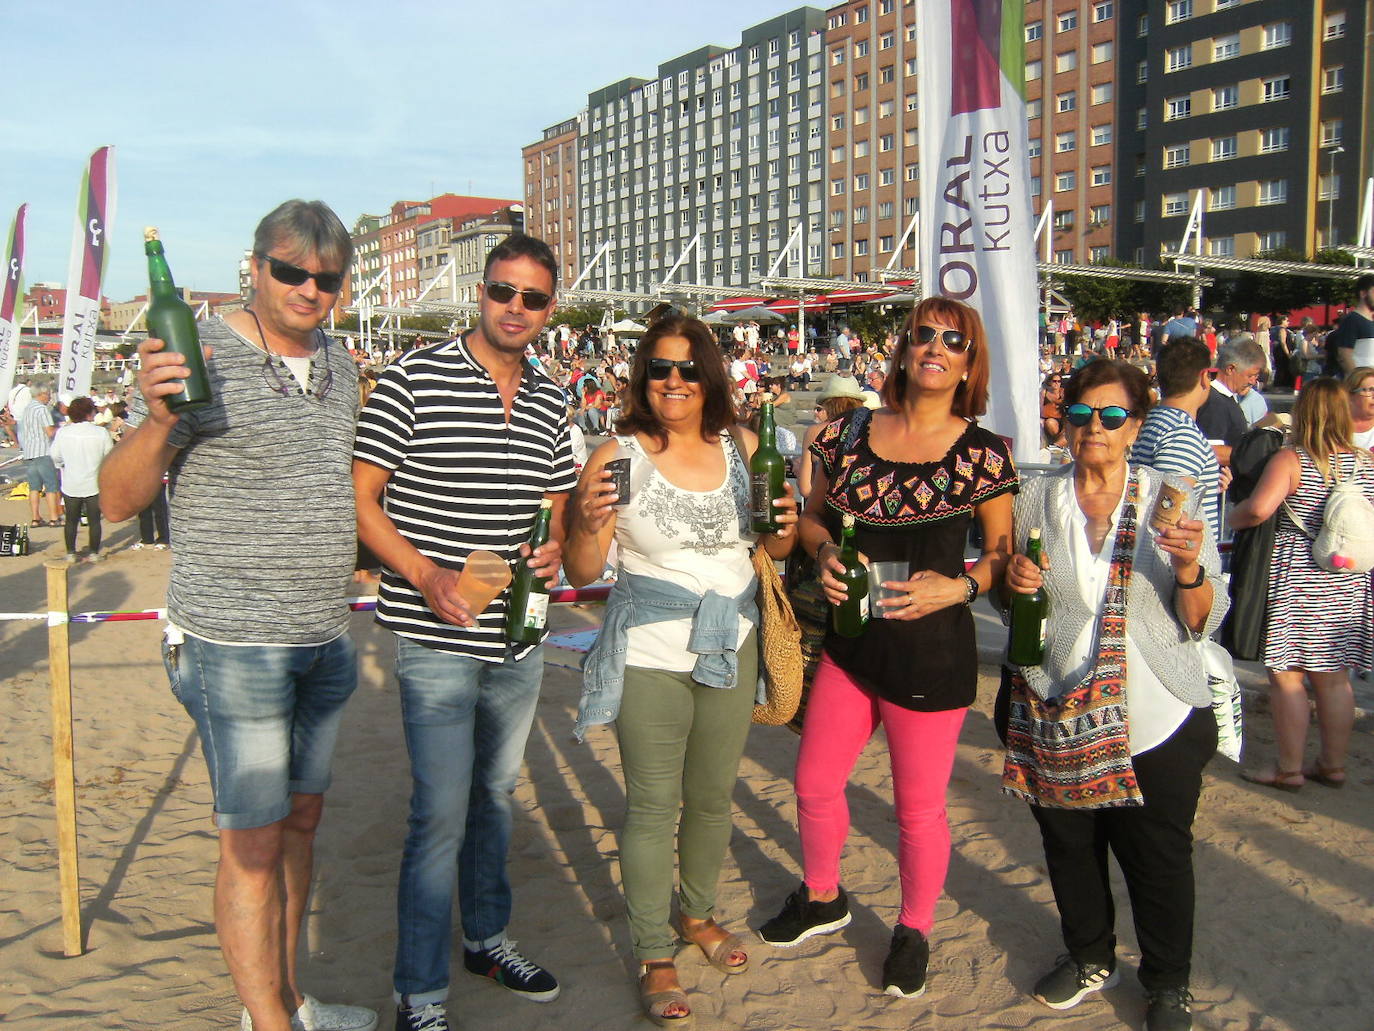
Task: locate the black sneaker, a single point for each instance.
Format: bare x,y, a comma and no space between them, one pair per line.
1170,1009
504,965
904,970
1064,986
801,918
422,1018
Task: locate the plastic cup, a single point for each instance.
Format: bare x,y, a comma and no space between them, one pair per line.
483,577
1177,501
877,573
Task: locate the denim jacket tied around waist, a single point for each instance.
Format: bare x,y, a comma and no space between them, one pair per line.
641,600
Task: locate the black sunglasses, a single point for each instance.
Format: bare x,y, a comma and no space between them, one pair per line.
288,386
954,341
294,275
661,368
1113,417
533,300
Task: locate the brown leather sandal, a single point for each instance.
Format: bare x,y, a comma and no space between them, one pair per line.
1279,780
1327,776
718,955
656,1003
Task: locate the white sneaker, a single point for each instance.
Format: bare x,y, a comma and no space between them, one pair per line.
139,546
318,1016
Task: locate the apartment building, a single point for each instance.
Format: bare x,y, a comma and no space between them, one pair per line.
466,243
726,143
1260,106
551,193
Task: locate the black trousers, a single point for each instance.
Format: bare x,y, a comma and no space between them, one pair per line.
153,520
74,508
1153,845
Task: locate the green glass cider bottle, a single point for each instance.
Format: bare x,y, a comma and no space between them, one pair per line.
851,616
528,612
767,474
1030,615
171,320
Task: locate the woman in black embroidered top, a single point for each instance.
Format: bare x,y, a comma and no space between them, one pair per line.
914,476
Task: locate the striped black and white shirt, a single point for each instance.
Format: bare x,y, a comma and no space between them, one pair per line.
462,478
1171,441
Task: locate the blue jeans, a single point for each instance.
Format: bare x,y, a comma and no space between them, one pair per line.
268,717
466,723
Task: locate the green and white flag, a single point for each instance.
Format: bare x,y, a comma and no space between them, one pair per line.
11,299
94,219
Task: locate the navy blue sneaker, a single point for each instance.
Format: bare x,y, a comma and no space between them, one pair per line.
504,965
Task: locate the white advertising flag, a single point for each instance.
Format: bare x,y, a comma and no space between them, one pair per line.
11,304
94,219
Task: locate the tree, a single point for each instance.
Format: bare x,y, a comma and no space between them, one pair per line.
577,317
1270,292
1098,298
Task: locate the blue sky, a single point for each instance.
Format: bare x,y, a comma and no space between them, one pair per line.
220,111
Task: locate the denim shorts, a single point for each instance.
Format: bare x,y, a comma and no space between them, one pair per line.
268,717
43,474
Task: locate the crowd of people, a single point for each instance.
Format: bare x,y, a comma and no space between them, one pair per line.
453,447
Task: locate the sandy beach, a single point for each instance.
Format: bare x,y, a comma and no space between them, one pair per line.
1284,923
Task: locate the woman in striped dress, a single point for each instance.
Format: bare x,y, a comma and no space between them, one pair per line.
1320,624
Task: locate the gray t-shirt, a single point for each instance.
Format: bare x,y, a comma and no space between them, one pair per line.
263,526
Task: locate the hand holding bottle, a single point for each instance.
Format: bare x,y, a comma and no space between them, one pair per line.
161,374
1024,576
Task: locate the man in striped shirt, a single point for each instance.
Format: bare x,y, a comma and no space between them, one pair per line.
36,430
1170,439
459,444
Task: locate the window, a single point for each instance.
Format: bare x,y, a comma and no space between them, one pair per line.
1102,52
1067,101
1221,198
1226,47
1178,107
1034,31
1068,21
1142,71
860,247
1103,11
861,214
886,41
1333,79
1035,186
1278,34
1331,132
912,102
861,182
885,142
1175,204
885,108
1065,142
1033,147
1333,26
1142,25
837,122
1097,255
909,67
1101,93
1034,108
861,148
1329,187
1280,88
885,244
885,74
1064,257
861,48
912,173
837,250
1273,191
1178,58
1102,175
1102,135
1223,148
861,82
1066,62
1177,10
1063,220
837,88
836,187
1225,97
1275,239
861,16
885,209
1065,181
885,6
1222,246
1099,214
886,176
1032,70
860,115
1177,156
837,219
837,56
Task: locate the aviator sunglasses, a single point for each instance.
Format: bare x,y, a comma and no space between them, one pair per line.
533,300
1113,417
661,368
294,275
954,341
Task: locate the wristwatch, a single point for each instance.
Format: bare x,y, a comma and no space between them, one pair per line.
1201,576
973,588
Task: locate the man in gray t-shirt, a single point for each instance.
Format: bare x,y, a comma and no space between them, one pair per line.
263,541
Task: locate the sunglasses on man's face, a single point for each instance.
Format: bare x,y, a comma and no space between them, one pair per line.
533,300
1112,417
294,275
953,341
662,368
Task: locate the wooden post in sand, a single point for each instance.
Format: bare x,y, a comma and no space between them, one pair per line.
63,765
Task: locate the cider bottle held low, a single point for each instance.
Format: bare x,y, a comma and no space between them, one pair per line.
850,617
1030,615
528,612
767,474
171,320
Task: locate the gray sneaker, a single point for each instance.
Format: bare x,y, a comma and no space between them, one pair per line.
318,1016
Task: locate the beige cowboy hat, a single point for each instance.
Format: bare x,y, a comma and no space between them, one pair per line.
842,386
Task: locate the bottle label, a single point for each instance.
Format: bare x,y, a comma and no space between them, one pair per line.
760,498
1044,623
863,608
536,612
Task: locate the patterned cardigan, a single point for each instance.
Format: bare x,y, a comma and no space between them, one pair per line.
1161,638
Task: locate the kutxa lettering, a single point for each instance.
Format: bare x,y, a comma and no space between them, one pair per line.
967,228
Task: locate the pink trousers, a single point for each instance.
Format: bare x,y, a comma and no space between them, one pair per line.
840,718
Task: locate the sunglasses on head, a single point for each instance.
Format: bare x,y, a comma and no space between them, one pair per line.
662,368
294,275
1113,417
533,300
954,341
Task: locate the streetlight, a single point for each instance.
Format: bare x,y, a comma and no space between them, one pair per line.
1331,193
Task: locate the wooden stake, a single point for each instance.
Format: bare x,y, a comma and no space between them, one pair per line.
63,765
